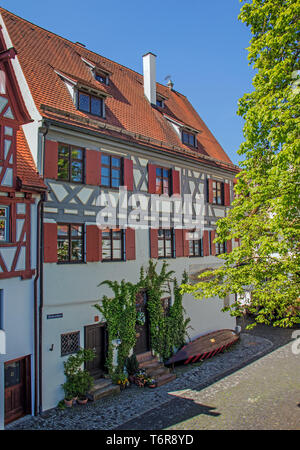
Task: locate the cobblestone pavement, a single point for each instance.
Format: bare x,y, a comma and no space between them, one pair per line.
132,407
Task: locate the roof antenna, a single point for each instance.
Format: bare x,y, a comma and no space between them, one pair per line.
170,83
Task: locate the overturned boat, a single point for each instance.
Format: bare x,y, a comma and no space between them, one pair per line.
204,347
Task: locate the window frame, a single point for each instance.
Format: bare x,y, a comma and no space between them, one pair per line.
216,191
111,231
70,161
189,135
200,253
69,238
111,168
6,220
164,239
162,179
101,99
218,246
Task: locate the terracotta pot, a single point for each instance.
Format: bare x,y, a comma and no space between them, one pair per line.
68,403
82,401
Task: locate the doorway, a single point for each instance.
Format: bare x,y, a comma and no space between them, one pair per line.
17,385
95,337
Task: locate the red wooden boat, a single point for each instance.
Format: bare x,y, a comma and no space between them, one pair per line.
204,347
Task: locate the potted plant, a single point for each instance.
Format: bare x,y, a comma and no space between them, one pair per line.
151,383
120,379
84,381
132,367
69,390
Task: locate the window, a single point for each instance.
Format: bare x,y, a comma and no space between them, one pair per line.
69,343
101,77
111,171
4,224
195,244
90,104
220,248
162,181
112,244
70,243
159,103
70,163
189,139
165,243
218,192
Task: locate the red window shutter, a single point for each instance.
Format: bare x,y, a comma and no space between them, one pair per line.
210,191
130,244
226,194
93,167
153,243
179,243
51,159
50,242
205,243
151,179
175,182
229,246
128,174
93,243
213,246
186,251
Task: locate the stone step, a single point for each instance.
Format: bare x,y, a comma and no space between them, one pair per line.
164,379
101,383
103,390
157,371
149,363
144,356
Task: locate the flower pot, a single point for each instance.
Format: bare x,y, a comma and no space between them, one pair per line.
152,385
82,401
68,403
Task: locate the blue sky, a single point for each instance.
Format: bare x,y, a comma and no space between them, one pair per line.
201,44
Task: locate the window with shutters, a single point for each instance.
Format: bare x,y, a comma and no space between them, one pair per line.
112,245
70,163
70,243
218,192
111,171
162,181
195,243
165,243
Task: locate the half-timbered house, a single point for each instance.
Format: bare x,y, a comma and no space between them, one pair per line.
20,191
97,126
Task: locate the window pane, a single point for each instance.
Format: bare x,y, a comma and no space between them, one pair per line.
63,151
166,187
160,248
62,249
166,173
3,231
76,250
62,230
191,248
159,186
158,172
76,230
104,171
105,160
12,374
84,102
96,106
77,172
115,173
185,138
77,153
115,162
168,234
63,169
168,248
117,235
104,181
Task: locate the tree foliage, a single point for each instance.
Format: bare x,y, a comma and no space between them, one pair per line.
265,213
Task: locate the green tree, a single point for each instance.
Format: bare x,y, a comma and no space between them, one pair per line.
265,213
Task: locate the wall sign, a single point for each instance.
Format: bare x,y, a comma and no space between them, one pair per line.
55,316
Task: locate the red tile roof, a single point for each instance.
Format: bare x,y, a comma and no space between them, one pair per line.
26,169
128,114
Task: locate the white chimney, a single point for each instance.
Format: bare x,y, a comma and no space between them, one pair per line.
149,70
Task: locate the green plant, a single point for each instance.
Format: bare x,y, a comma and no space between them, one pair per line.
78,381
131,364
83,383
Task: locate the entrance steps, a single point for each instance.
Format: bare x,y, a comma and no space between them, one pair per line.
102,388
154,368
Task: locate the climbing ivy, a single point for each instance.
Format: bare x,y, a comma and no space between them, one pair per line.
167,331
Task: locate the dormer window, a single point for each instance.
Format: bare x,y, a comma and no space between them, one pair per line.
159,103
101,76
189,138
90,104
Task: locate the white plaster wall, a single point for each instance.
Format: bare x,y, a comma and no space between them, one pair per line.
73,290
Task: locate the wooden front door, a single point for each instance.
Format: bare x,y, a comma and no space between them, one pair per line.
142,331
17,389
96,339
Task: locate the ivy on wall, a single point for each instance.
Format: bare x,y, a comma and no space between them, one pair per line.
167,331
